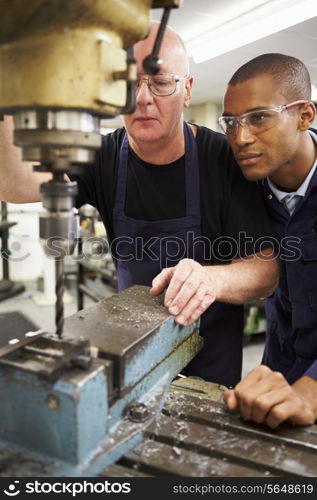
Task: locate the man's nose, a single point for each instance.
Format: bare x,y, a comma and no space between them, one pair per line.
243,135
143,93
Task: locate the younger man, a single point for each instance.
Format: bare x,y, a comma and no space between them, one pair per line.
267,118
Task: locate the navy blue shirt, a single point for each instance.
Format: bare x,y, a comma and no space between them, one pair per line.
291,342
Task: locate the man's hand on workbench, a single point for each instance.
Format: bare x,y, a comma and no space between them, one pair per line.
264,396
190,290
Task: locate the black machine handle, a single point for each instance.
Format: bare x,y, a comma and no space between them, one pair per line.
151,63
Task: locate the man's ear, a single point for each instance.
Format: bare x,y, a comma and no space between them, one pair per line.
307,115
188,91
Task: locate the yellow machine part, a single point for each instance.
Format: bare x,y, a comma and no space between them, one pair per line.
70,54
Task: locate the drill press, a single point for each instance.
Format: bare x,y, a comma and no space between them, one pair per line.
65,65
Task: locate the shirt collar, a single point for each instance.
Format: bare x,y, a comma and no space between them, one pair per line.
301,191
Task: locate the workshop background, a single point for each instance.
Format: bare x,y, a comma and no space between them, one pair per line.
220,36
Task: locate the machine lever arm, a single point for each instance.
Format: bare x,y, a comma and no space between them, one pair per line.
152,63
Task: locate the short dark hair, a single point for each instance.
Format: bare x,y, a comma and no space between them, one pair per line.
289,73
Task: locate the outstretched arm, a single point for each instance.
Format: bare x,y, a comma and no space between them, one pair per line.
264,396
191,287
19,184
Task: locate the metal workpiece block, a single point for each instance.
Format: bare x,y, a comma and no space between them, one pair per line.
133,329
62,420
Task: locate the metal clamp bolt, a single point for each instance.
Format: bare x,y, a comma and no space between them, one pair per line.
52,401
137,412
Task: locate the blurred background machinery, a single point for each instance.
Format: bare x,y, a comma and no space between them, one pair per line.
8,288
95,266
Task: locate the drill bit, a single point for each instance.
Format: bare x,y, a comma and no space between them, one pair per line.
59,290
58,231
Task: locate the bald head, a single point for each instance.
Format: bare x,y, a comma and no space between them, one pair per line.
172,52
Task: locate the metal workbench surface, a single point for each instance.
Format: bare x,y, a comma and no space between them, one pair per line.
196,436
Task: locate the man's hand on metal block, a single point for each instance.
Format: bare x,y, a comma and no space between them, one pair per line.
190,289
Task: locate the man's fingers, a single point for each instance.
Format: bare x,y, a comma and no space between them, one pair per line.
180,276
254,393
273,391
161,281
189,290
306,417
230,399
255,375
196,306
264,396
294,411
190,294
264,407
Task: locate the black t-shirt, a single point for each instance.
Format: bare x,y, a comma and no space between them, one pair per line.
233,217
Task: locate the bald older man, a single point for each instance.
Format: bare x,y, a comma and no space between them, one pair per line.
176,208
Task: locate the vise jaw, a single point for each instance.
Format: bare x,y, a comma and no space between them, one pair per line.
75,405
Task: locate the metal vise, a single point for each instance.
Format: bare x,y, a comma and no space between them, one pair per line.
72,407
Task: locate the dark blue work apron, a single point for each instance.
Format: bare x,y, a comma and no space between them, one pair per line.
143,248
